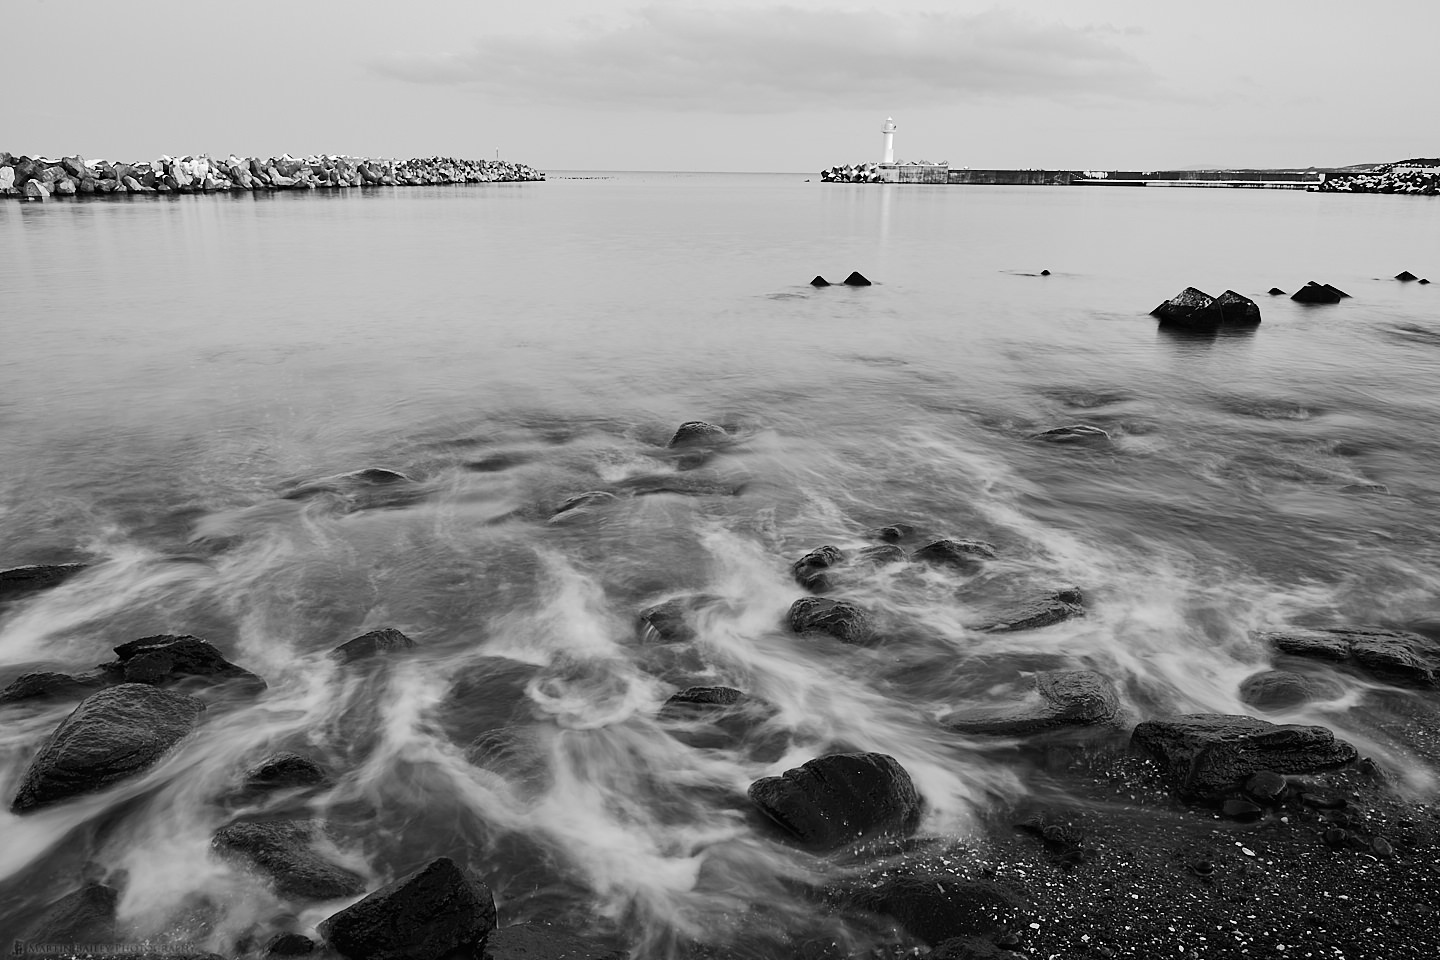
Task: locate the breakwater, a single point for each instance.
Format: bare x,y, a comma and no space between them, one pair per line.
1418,177
38,178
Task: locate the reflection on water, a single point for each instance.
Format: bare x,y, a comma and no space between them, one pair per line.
193,384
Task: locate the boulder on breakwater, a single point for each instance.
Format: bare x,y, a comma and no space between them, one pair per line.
1418,177
40,178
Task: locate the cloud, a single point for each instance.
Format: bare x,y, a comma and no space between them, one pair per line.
784,59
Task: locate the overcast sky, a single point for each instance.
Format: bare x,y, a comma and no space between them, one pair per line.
714,85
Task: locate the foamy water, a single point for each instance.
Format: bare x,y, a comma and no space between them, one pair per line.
191,380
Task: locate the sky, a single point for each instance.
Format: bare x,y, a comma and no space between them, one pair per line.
729,86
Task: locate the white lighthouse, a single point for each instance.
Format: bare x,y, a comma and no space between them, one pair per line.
889,130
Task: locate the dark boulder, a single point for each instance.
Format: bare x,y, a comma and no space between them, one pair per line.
164,660
375,643
699,701
1062,698
1042,612
284,771
111,736
1423,281
840,798
963,555
1314,292
937,909
895,533
1276,292
427,915
673,621
819,282
856,279
1405,276
697,433
289,945
1072,433
539,941
809,570
19,581
86,915
1179,308
1206,754
1044,273
1394,656
1266,787
1228,309
841,619
1282,689
51,686
284,851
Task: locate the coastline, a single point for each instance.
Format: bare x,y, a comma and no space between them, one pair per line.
39,178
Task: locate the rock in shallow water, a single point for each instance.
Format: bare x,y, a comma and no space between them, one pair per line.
841,619
111,736
1393,656
1064,698
283,851
429,914
85,916
166,659
1206,753
375,643
1281,689
283,771
809,570
840,798
961,554
20,581
696,433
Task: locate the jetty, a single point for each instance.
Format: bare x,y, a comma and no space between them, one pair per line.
38,178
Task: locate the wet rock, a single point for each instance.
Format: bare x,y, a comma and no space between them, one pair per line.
699,701
1314,292
1281,689
1206,754
1244,811
937,909
1379,488
426,915
819,282
284,771
51,686
809,570
581,502
880,556
1405,276
1064,698
289,945
1229,309
687,486
539,941
284,851
165,660
845,621
895,533
1073,433
348,483
1393,656
1423,281
856,280
1267,787
697,433
1276,292
36,190
1035,614
963,555
86,915
1044,273
673,621
1179,308
20,581
840,798
111,736
386,640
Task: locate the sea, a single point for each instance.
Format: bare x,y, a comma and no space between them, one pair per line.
190,385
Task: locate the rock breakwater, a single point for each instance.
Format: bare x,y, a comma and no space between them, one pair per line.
38,178
1405,176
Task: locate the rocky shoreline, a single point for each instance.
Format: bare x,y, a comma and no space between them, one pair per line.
1203,836
37,178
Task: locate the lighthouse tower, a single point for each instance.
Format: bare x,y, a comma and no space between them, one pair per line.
889,130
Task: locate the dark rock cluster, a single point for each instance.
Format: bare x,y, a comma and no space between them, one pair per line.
1196,309
1419,177
37,178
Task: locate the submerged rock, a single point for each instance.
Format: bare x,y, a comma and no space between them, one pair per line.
1063,698
1393,656
834,800
1039,613
809,570
283,771
1281,689
963,555
20,581
1207,753
579,503
1073,433
86,915
111,736
283,851
386,640
895,533
539,941
51,686
883,555
700,701
289,945
426,915
697,432
673,621
845,621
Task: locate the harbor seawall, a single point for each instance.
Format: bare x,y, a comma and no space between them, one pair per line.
38,178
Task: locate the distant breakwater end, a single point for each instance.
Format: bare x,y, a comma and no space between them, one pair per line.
38,178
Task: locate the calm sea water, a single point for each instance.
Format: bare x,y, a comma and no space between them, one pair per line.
172,368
